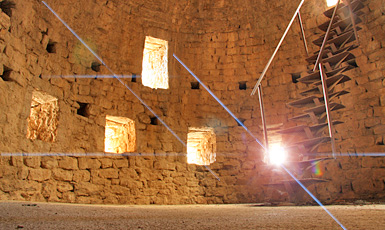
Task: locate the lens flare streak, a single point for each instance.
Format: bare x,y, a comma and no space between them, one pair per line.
90,154
217,99
314,198
115,75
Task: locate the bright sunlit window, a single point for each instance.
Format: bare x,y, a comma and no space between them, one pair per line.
201,146
119,135
277,155
43,117
331,2
154,66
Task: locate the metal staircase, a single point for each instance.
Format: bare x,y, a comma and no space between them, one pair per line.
318,101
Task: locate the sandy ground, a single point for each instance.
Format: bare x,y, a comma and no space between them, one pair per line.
24,215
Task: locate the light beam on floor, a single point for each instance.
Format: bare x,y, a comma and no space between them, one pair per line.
220,102
314,198
115,75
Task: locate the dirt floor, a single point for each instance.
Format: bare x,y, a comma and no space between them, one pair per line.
24,215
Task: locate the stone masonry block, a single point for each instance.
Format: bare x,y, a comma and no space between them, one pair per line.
108,173
68,163
123,163
88,163
39,174
81,175
62,175
49,162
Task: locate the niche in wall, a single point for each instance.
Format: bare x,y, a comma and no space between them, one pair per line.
43,117
155,63
120,135
201,146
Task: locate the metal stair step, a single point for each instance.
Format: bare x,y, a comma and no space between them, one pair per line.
307,163
314,99
301,128
328,51
340,23
330,81
311,142
315,76
306,182
318,110
337,40
338,58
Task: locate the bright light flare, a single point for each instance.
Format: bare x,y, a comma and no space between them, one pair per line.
331,2
277,155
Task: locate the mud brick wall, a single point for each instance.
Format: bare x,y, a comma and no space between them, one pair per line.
226,44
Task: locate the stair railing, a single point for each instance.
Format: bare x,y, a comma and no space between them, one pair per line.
327,108
276,49
258,84
319,58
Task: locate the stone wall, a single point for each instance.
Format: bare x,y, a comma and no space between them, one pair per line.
227,45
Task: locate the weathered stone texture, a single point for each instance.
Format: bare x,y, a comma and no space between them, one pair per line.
226,44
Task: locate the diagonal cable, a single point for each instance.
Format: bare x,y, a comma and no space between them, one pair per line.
116,76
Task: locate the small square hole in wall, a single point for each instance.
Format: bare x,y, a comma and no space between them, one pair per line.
201,146
6,75
120,135
242,85
43,117
295,77
95,66
241,120
6,6
154,121
155,63
83,109
133,78
194,85
51,47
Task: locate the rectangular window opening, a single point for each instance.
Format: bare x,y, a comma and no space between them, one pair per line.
201,146
120,136
43,117
155,63
331,2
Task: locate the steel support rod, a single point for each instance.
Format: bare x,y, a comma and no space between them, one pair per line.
353,21
326,37
276,49
303,32
326,99
261,106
